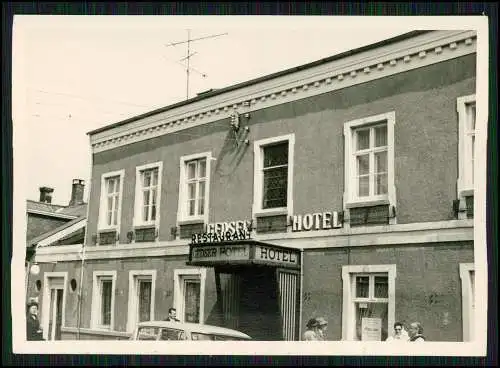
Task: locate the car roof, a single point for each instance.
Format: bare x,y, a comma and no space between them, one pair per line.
195,327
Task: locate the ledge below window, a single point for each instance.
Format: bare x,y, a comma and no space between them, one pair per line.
145,233
271,212
107,236
367,203
190,222
465,193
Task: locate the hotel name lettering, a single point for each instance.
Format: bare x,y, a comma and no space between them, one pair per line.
224,231
317,221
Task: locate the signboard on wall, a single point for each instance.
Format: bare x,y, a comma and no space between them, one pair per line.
223,232
279,256
371,329
218,253
317,221
243,253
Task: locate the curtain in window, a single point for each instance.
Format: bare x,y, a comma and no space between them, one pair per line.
192,301
144,300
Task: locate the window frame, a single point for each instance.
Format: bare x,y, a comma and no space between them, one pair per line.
102,226
349,274
132,313
179,293
468,297
97,299
257,206
465,181
138,202
351,198
182,212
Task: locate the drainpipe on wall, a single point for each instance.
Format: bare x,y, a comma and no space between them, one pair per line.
80,290
301,310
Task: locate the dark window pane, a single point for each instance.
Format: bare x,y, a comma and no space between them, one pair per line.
275,187
276,155
381,287
362,285
192,301
144,300
106,294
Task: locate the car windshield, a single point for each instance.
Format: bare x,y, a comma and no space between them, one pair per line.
157,333
213,337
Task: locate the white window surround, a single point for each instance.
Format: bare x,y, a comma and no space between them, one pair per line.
350,198
464,181
348,312
467,301
179,276
259,177
102,202
134,275
138,202
96,299
182,214
46,299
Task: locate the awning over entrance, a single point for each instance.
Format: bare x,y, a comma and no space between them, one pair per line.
243,252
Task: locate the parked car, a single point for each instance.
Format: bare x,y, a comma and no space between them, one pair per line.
168,330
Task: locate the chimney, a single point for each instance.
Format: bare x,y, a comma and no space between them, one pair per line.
46,194
77,192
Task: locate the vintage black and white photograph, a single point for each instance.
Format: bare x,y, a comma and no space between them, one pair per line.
302,185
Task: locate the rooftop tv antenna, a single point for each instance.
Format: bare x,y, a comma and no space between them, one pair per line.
189,55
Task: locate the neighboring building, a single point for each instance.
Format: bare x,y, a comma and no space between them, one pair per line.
342,188
52,224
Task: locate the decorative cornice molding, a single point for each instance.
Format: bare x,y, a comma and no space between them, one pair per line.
418,233
370,65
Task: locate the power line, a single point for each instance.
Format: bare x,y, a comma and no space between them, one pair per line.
189,54
91,97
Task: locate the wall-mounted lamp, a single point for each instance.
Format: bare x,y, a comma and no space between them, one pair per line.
235,121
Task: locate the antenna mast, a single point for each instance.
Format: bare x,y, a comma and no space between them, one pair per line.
189,55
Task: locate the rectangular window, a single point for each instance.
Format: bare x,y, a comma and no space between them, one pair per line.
111,197
466,108
141,297
273,175
368,310
467,277
194,187
103,299
369,161
147,194
189,294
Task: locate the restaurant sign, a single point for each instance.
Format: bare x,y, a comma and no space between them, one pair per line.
224,231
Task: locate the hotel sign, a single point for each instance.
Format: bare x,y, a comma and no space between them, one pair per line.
317,221
249,253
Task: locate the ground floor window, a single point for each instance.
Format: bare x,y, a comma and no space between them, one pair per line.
103,299
467,276
368,302
141,297
189,294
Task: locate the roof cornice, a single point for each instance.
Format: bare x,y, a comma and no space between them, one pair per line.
419,51
51,214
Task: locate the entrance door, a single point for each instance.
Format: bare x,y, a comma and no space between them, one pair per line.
259,310
55,313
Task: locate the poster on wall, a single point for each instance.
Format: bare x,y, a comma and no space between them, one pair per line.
371,329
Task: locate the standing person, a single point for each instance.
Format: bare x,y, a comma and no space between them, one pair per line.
172,315
400,333
322,327
312,333
33,329
416,332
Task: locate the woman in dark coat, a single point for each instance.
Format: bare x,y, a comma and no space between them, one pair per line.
33,329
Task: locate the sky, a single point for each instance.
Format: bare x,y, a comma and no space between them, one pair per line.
73,74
